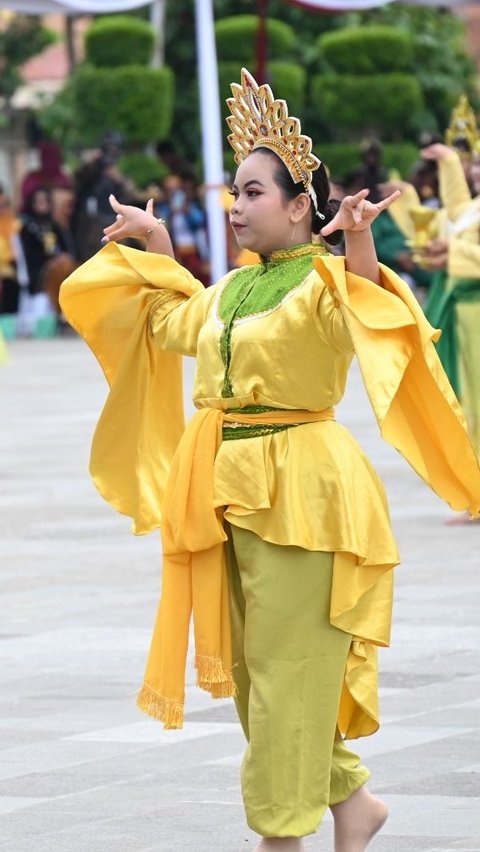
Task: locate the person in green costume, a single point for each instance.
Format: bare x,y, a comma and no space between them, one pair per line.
454,300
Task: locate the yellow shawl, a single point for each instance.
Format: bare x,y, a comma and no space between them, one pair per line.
194,576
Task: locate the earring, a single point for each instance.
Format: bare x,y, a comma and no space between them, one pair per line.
293,232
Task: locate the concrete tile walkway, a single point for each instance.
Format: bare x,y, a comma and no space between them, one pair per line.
81,770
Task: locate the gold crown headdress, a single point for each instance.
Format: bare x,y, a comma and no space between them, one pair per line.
463,125
259,120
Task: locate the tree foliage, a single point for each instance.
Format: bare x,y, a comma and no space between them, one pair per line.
367,50
441,62
131,99
236,39
119,40
386,106
343,158
23,38
134,101
181,55
436,58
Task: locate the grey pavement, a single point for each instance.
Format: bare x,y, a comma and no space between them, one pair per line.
81,769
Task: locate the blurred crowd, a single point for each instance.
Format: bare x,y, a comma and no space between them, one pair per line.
59,221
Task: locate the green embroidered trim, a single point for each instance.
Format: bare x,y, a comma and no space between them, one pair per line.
280,274
254,430
233,433
301,250
253,409
276,277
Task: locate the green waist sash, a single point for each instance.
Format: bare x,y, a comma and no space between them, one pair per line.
232,432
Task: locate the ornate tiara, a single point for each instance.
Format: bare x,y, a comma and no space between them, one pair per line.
463,125
258,120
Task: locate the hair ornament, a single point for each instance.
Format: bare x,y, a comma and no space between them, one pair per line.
463,126
258,119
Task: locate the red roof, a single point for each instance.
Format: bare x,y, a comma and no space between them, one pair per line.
52,64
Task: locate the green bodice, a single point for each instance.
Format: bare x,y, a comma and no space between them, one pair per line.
254,291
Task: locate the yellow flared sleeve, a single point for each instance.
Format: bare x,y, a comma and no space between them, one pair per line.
454,191
113,300
414,404
463,259
400,210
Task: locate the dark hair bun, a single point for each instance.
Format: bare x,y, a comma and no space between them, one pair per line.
329,211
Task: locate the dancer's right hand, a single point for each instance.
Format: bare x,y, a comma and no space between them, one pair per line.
130,221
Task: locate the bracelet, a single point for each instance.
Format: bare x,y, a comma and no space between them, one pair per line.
150,231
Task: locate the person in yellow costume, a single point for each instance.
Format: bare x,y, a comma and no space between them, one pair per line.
454,302
275,526
3,350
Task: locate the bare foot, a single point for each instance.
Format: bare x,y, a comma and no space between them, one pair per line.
463,518
357,820
280,844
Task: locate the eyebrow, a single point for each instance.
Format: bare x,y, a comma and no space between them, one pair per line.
248,183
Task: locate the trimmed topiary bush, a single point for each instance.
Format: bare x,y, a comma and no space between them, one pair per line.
119,40
288,81
367,50
133,100
142,169
341,159
384,105
236,39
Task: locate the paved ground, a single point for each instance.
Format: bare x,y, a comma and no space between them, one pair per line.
80,767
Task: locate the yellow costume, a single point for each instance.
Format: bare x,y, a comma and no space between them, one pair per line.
3,350
294,355
275,526
280,337
454,303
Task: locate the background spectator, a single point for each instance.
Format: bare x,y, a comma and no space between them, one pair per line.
186,223
50,175
9,228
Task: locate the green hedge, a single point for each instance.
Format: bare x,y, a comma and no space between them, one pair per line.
119,40
286,79
142,169
386,105
136,101
236,40
367,50
341,159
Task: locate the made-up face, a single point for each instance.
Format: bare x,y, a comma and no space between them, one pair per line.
260,216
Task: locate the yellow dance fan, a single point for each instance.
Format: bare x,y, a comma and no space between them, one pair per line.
258,119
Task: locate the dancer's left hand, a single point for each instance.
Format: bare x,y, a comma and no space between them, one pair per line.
435,255
356,213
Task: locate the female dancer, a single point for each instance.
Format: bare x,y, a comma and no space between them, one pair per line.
275,527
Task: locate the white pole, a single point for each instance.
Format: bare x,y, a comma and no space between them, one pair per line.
157,20
211,135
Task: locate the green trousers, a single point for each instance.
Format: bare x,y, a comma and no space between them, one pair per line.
289,664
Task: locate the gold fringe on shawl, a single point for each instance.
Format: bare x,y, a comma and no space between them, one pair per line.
171,712
194,577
